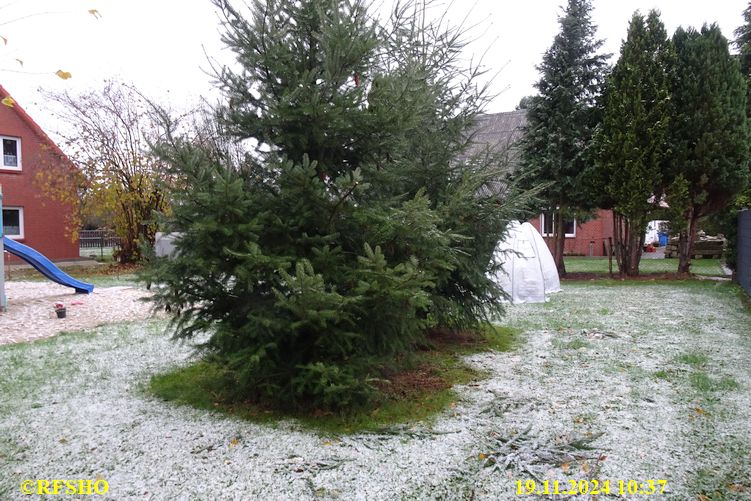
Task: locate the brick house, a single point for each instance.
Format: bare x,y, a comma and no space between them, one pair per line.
29,216
582,239
501,131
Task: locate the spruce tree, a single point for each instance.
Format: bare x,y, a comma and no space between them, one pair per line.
562,118
632,142
709,135
354,225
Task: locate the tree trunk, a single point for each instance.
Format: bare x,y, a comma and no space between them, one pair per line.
559,242
686,244
618,246
628,240
634,248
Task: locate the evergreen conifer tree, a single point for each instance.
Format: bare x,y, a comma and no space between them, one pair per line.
562,118
632,141
354,225
743,43
709,135
726,221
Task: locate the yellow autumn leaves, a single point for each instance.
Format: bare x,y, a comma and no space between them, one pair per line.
65,75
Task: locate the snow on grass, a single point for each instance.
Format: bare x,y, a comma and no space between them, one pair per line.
612,359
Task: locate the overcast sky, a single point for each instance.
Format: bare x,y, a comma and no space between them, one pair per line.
161,46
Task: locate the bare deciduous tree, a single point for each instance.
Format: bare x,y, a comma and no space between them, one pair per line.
110,136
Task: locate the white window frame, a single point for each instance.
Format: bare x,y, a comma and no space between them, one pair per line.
18,154
21,228
542,227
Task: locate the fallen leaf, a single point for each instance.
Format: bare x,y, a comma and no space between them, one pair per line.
233,442
737,488
8,101
95,13
481,456
565,467
327,443
602,458
20,62
63,74
585,467
63,440
702,497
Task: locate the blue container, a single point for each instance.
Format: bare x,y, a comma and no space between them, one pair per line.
663,239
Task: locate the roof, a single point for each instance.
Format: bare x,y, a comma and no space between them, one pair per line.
502,129
499,132
34,127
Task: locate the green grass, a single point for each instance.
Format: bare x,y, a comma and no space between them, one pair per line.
435,371
599,265
699,379
694,359
702,382
665,375
101,275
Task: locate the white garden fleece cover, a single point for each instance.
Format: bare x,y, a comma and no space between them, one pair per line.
528,271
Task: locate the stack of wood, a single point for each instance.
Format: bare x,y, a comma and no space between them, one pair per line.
704,247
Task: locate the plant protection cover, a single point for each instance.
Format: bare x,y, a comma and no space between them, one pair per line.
528,271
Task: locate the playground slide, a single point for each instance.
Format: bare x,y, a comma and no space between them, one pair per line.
45,266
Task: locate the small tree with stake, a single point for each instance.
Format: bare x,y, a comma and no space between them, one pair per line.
352,227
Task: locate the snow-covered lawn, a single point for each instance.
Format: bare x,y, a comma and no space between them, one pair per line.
653,376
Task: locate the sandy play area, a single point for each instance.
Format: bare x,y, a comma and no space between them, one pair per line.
30,314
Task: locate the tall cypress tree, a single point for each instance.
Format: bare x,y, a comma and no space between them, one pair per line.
354,225
632,142
726,221
743,43
562,118
710,133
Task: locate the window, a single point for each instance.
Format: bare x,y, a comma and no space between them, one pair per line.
13,222
11,153
547,221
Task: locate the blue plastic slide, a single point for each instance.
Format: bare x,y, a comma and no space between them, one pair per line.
45,266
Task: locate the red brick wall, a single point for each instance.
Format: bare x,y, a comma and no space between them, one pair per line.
595,231
44,219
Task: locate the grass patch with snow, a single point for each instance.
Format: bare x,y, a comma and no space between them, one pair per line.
657,387
418,389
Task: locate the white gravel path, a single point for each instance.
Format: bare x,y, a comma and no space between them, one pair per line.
75,407
30,314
